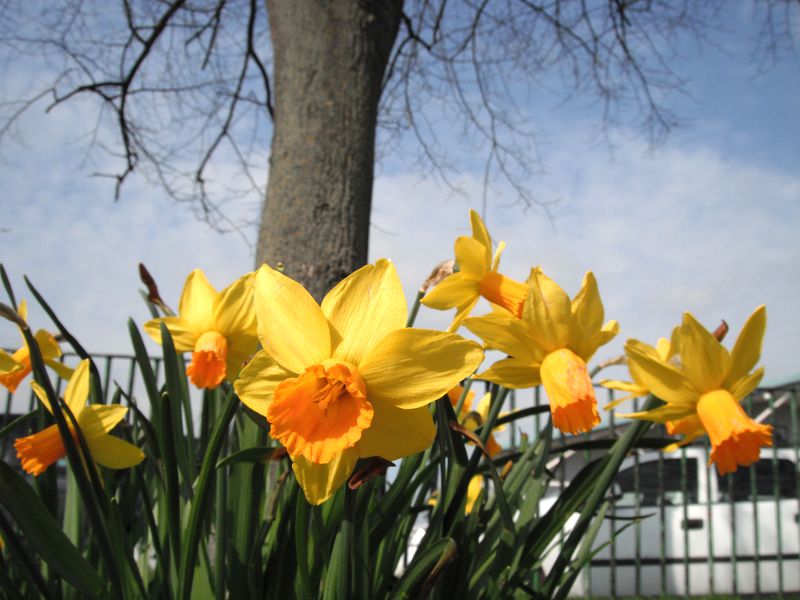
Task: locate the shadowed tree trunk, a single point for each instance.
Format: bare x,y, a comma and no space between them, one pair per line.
329,60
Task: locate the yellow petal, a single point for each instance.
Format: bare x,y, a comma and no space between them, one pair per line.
496,260
505,332
747,350
258,380
48,345
471,257
233,310
7,363
196,305
661,378
513,373
396,432
547,312
320,482
60,368
184,334
474,490
454,290
634,391
98,419
462,312
77,391
587,314
664,349
481,234
589,346
703,359
744,386
291,325
242,345
662,414
42,396
364,307
410,368
113,452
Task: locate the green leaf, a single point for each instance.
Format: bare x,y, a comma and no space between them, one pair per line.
423,570
202,498
44,534
256,454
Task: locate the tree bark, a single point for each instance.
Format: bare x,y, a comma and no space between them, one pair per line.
329,62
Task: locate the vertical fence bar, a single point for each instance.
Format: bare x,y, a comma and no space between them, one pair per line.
588,570
662,529
796,443
107,376
732,502
613,546
710,472
637,507
776,492
754,502
685,494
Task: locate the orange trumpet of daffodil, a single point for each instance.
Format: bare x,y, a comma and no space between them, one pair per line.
38,451
218,328
476,276
550,345
707,387
345,379
15,367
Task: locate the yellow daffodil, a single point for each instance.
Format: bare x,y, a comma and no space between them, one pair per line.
218,328
38,451
15,367
346,379
477,276
709,384
666,350
474,490
550,345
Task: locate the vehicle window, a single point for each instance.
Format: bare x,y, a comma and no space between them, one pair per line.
738,486
657,480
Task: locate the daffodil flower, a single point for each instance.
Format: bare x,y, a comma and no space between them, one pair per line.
346,380
477,276
218,328
17,366
550,345
38,451
666,350
709,384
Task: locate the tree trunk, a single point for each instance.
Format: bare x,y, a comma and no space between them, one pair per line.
329,61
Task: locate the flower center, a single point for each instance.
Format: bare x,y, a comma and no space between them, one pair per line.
503,291
736,439
207,369
38,451
320,413
570,391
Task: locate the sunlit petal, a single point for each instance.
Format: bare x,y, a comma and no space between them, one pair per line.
196,305
291,325
747,350
258,380
364,307
320,482
396,432
410,368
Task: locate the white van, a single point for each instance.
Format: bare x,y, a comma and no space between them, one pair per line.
699,533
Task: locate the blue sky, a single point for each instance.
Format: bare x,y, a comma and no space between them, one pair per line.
705,222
